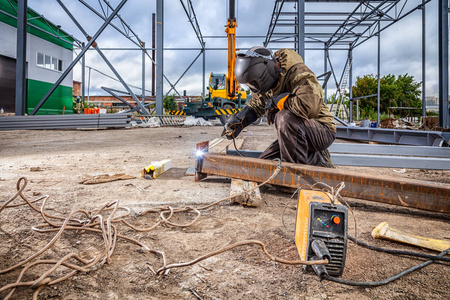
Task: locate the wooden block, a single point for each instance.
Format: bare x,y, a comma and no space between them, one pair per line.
252,198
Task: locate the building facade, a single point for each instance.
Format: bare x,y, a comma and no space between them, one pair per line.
49,52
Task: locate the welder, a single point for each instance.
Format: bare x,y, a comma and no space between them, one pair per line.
288,92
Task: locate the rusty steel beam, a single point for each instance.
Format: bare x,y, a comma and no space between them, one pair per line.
411,193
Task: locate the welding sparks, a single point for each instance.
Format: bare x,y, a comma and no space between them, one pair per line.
199,153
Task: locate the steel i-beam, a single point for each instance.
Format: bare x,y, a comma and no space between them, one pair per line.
390,190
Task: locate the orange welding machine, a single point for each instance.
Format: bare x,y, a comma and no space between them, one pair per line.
321,229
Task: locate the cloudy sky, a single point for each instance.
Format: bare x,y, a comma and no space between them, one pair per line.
400,44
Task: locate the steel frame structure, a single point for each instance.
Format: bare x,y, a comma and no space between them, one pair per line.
327,30
346,30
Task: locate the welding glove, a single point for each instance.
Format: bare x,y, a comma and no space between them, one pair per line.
240,120
274,105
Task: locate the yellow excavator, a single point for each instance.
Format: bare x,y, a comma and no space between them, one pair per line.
225,96
225,89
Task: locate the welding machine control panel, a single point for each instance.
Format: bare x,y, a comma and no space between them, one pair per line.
328,220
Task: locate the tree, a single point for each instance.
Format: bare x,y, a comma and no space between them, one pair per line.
169,103
393,92
409,91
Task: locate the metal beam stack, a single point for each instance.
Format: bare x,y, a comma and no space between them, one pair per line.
65,121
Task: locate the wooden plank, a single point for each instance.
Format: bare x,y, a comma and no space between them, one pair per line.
239,186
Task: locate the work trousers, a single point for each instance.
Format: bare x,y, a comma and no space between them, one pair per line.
299,140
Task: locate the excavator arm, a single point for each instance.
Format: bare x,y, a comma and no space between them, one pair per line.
231,36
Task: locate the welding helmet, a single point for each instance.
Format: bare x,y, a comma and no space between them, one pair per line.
257,69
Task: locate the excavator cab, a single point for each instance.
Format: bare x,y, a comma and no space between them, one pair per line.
217,86
217,81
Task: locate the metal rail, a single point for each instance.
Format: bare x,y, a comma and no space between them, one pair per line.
369,149
404,162
385,156
394,136
384,189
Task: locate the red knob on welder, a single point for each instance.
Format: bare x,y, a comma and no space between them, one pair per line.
336,220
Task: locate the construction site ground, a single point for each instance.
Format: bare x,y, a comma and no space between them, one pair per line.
55,161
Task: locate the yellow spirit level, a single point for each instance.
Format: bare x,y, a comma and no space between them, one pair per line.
319,219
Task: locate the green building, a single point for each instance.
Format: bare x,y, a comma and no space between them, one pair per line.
49,52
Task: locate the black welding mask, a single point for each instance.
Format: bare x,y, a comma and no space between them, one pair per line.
257,69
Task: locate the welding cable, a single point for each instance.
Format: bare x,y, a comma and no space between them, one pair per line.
235,147
52,241
385,281
399,252
166,221
243,243
41,229
94,221
89,221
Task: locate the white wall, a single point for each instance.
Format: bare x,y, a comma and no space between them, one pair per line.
8,40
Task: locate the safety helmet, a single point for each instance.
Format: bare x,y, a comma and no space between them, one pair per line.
257,69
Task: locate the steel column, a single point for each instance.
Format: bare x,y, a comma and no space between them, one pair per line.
389,190
83,77
153,53
204,74
143,73
424,105
444,119
75,61
159,55
378,75
301,28
21,58
357,110
89,86
325,69
350,83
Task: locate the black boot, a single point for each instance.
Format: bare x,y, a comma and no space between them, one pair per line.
320,158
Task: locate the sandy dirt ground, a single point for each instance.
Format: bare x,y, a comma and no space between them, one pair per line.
55,161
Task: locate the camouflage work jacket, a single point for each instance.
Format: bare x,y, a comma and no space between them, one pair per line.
306,100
